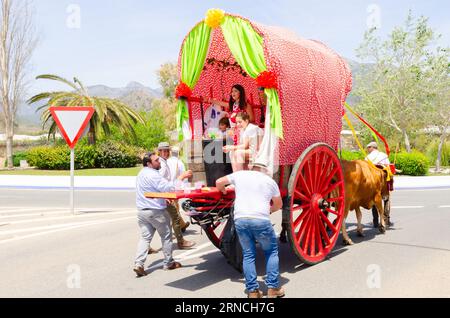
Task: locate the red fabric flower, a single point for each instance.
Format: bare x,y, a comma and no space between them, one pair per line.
267,80
183,91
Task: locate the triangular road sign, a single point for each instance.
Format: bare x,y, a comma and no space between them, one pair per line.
72,121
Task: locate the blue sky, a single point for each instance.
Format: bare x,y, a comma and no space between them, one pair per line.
121,41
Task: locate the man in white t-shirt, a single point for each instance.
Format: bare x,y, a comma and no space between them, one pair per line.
377,158
254,192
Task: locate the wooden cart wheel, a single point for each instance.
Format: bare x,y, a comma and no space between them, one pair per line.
316,198
216,231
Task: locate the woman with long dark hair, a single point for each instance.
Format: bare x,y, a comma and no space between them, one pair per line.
237,104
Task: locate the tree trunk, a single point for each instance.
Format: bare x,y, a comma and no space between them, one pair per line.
406,139
91,135
9,129
439,153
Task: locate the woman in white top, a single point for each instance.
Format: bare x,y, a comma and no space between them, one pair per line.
249,142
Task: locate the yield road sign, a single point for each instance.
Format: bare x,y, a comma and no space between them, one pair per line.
72,121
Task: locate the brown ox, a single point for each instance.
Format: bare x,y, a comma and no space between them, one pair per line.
365,186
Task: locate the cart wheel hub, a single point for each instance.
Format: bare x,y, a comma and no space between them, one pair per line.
318,202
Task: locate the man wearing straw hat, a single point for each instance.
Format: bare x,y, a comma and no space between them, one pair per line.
255,190
178,224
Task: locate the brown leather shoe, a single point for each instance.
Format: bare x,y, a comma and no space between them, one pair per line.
275,293
152,251
185,245
173,266
255,294
185,226
140,271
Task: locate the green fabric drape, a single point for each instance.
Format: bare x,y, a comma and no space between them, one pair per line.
275,111
193,58
247,47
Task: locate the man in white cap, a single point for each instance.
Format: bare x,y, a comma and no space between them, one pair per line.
254,192
178,224
377,158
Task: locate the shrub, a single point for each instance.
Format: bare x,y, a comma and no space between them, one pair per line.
85,156
351,155
49,158
412,164
116,155
105,155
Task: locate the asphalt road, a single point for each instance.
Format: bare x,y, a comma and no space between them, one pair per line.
45,252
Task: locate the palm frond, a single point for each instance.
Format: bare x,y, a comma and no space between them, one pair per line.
57,78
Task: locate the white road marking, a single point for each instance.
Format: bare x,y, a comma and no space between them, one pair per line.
49,227
20,210
187,256
80,225
444,206
408,207
66,217
33,214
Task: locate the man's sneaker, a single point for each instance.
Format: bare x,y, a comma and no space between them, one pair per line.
172,266
255,294
140,271
185,245
275,292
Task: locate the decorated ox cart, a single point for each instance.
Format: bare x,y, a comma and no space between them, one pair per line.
306,85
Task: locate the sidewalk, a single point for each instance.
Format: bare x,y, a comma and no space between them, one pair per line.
128,183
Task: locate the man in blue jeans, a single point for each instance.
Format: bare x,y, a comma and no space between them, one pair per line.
254,192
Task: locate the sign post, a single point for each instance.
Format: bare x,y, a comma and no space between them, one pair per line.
72,121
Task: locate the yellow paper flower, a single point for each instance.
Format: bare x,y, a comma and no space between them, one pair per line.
214,18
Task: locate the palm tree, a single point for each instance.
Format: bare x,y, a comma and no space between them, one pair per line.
107,111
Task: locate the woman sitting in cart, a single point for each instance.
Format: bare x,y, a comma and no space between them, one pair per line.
250,139
236,105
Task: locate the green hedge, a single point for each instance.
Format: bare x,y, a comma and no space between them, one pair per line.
411,164
116,155
104,155
350,155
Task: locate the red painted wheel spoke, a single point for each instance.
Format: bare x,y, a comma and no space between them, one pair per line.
337,199
312,166
327,180
309,177
300,218
302,207
325,170
319,168
331,188
332,211
328,222
324,233
313,235
301,196
319,236
302,228
303,185
308,234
